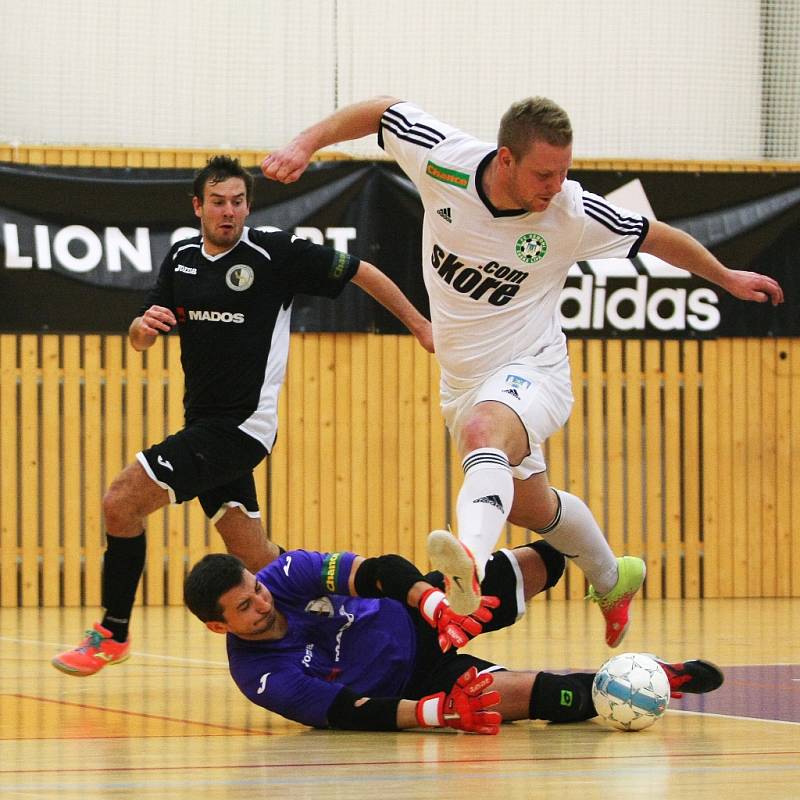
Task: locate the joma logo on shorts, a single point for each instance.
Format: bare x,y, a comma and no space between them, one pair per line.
498,283
216,316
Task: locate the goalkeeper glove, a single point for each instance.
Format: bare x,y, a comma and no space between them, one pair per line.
463,708
453,629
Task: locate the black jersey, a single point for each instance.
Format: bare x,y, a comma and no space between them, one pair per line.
233,313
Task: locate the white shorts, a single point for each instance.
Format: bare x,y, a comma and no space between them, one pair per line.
540,396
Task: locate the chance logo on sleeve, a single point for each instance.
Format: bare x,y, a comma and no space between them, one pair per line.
330,571
445,175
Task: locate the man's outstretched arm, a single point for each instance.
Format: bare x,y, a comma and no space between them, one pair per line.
682,250
351,122
383,289
464,708
395,577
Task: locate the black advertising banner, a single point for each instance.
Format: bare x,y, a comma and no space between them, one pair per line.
79,247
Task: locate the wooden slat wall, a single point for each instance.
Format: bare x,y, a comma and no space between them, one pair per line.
684,451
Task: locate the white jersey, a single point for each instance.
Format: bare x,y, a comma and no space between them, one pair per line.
494,278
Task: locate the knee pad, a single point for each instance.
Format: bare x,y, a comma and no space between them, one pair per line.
554,562
562,698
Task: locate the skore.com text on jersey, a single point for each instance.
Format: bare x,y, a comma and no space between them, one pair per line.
495,282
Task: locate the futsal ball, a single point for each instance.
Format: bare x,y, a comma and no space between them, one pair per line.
630,691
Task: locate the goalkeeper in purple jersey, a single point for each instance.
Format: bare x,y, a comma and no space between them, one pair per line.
341,641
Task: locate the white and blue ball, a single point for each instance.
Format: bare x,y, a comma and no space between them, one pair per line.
630,691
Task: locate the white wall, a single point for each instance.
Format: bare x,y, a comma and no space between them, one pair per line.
642,79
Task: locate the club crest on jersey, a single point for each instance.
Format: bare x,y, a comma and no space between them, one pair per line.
531,248
321,606
239,277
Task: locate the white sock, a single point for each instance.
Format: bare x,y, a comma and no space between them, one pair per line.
575,533
484,502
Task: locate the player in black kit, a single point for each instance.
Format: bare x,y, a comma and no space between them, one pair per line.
229,292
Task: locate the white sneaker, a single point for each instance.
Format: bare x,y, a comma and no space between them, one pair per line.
454,560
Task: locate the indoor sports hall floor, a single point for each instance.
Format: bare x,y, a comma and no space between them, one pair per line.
169,723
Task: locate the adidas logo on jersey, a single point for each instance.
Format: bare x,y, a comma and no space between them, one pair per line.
513,392
445,214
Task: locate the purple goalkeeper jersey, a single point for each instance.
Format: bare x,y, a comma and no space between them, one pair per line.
333,641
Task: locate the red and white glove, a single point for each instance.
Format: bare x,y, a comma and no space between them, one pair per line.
464,707
454,630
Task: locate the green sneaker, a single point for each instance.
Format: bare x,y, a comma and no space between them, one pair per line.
615,604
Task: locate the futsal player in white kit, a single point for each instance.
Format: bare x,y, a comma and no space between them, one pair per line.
502,227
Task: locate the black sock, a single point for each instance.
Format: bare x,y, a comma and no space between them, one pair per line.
123,564
562,698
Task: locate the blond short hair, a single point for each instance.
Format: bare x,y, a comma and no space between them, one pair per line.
530,120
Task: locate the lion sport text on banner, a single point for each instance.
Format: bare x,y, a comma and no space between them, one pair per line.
79,247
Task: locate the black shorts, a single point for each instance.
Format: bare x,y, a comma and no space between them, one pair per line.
209,459
435,671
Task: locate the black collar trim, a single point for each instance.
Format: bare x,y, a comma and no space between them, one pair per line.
495,212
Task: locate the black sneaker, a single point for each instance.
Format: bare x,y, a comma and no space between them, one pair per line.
692,677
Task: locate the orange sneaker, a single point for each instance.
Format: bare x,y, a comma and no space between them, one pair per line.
93,653
453,559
